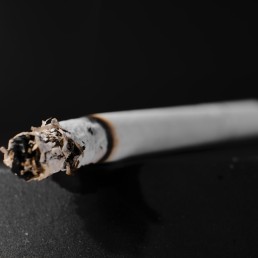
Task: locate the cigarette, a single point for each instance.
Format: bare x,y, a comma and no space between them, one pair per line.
109,137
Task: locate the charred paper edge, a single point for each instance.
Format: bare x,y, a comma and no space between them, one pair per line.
110,134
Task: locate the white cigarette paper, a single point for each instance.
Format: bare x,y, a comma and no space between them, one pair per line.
68,145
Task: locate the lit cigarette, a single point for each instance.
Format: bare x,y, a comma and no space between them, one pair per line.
68,145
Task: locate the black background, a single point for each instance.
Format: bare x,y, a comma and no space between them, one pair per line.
69,59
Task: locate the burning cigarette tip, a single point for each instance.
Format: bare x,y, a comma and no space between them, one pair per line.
43,151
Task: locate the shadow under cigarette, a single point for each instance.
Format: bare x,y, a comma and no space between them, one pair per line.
109,200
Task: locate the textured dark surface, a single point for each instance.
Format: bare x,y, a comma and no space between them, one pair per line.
201,203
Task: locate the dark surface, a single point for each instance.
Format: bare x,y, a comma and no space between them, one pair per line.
72,58
201,203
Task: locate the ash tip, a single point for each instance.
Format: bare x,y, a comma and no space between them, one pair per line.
42,152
